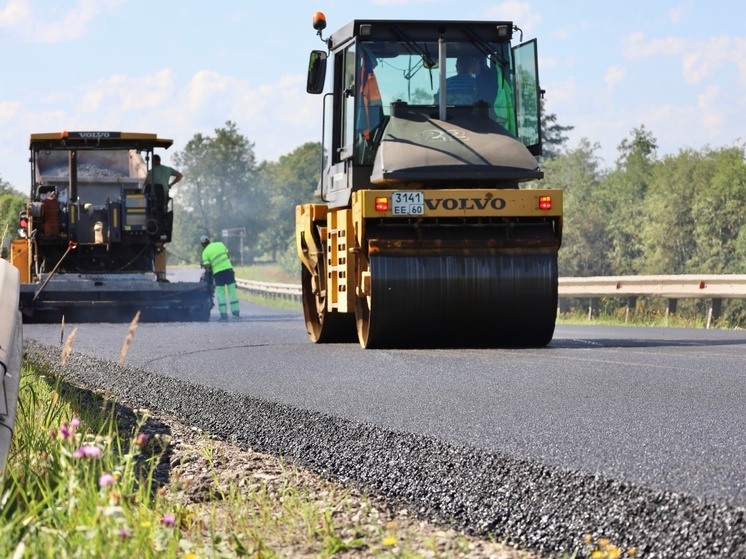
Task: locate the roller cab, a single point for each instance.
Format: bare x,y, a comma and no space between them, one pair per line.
429,231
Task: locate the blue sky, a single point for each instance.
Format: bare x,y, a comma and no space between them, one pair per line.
177,68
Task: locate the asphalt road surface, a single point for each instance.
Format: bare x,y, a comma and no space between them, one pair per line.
661,409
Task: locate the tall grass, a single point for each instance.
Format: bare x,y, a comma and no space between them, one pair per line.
74,487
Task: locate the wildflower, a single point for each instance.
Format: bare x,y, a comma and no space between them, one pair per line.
65,430
168,520
389,540
87,451
53,433
106,480
75,423
124,533
142,440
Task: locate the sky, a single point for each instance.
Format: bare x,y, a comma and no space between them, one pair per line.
179,68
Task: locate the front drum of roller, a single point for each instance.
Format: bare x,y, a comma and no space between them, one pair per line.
507,299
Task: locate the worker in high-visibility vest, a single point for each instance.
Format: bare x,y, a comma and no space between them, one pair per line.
215,260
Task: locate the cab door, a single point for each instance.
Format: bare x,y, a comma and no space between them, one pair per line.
527,95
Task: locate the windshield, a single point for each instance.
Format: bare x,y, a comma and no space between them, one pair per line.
388,72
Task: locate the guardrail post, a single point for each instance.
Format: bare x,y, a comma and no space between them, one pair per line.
713,311
593,308
631,306
670,308
562,306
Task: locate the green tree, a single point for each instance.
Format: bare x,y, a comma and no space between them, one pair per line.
220,190
668,221
719,214
288,182
585,237
625,190
552,134
11,204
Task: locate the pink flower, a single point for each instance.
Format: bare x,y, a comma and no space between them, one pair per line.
87,451
123,533
106,480
168,520
142,440
65,430
53,433
75,423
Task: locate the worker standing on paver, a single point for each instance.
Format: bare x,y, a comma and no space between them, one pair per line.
215,260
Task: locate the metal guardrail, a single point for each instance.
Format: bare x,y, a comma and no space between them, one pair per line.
277,290
11,346
690,286
710,287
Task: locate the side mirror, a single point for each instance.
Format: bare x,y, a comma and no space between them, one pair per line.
316,72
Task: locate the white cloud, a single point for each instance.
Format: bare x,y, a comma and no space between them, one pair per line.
15,14
8,110
708,56
614,74
125,93
561,92
519,13
676,14
636,45
711,115
55,24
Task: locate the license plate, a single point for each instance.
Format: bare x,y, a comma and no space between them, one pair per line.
408,203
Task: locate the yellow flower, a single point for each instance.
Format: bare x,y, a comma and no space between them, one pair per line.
603,542
389,540
145,524
597,555
632,551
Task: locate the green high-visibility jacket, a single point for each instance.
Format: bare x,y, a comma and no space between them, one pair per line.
215,255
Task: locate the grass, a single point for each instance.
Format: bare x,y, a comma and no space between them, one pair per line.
74,487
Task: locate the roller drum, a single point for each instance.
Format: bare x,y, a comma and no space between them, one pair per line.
508,299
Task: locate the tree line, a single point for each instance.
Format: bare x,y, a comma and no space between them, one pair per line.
677,214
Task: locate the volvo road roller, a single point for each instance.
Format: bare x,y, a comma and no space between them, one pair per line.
429,230
94,233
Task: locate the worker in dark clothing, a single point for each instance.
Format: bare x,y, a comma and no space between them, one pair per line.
215,260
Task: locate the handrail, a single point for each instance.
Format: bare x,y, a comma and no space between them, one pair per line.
11,346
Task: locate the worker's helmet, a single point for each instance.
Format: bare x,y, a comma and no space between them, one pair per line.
204,239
